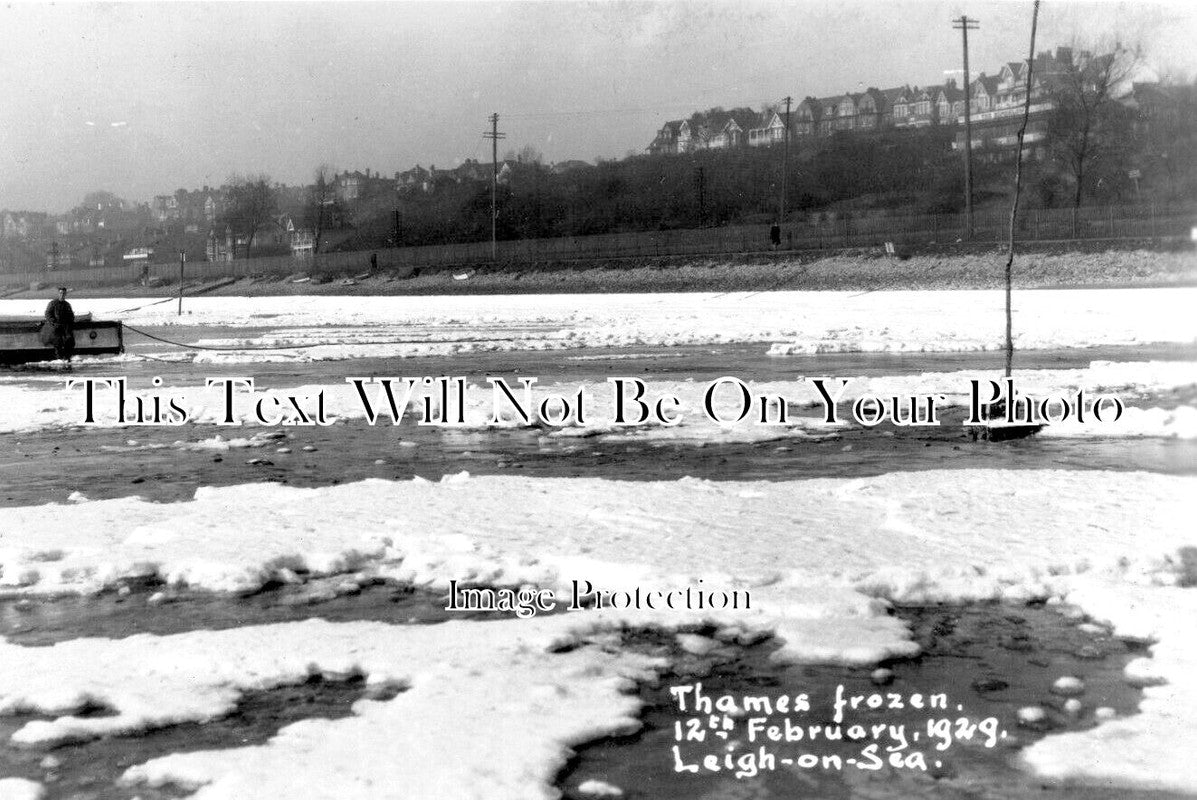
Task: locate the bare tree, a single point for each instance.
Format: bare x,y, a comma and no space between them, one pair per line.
321,197
251,206
529,155
1085,124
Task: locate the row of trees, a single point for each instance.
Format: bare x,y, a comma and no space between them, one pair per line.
705,188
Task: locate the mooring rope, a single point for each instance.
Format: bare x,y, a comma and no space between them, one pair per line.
147,305
302,346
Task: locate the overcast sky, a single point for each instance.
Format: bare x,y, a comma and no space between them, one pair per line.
143,99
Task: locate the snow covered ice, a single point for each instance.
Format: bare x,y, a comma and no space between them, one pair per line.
824,559
792,322
823,554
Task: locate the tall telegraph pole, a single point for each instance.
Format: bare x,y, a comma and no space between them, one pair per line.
494,136
964,24
785,167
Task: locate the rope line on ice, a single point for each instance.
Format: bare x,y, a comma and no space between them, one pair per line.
302,346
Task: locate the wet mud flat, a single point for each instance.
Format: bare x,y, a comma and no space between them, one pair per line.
990,660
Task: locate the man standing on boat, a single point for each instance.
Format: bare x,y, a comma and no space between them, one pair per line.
59,328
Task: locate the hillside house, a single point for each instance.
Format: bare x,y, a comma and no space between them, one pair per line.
349,185
473,170
730,128
983,93
839,114
666,141
416,179
918,107
353,186
807,116
889,97
772,132
692,136
870,110
998,103
211,208
165,207
949,104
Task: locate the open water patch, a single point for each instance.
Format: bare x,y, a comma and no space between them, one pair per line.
991,664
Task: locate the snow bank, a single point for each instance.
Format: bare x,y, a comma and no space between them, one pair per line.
1152,749
509,528
21,789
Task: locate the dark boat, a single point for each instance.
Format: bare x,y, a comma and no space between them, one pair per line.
21,341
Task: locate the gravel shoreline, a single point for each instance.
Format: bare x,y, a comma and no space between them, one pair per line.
865,272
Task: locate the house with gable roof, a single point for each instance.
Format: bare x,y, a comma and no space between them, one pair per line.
807,116
771,132
998,104
949,104
730,128
415,179
666,141
902,111
871,107
890,96
983,93
694,134
839,114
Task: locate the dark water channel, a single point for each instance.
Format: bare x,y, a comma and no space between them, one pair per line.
47,465
990,660
101,464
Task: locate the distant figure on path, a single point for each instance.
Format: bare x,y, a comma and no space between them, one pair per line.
775,235
373,262
58,330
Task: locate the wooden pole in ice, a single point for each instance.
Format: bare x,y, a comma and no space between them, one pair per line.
1026,115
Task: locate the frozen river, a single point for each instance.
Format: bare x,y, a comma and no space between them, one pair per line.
271,565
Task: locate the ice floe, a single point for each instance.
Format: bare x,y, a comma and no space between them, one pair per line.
820,558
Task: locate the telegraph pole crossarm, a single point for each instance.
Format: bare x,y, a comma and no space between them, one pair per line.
964,24
494,136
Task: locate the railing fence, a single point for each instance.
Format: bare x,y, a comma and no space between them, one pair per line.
817,232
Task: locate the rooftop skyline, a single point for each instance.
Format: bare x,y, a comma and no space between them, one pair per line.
142,99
